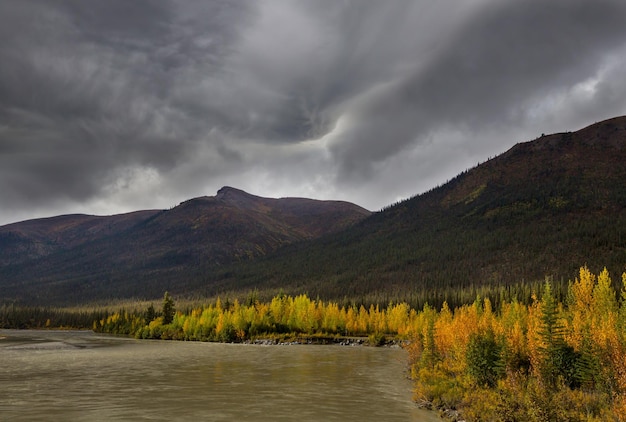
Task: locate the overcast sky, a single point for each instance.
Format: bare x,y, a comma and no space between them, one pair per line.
114,106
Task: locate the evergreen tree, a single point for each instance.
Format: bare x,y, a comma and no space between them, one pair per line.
150,314
559,360
168,309
484,359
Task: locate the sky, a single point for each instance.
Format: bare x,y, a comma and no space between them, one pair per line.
114,106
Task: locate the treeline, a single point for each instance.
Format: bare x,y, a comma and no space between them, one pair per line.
283,315
31,317
546,361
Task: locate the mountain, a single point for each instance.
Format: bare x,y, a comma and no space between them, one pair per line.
542,209
78,257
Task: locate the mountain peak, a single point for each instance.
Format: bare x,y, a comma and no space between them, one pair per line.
236,196
228,191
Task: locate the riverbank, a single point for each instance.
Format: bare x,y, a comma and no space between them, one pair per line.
351,341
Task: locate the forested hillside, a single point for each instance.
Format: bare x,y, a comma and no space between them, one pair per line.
499,229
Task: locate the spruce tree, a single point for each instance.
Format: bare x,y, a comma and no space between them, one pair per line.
168,309
150,314
559,360
484,359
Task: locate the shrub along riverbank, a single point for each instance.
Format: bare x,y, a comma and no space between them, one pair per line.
283,318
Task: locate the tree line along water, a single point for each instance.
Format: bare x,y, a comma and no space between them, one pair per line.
550,359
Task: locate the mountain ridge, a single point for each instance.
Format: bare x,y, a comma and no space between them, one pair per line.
541,209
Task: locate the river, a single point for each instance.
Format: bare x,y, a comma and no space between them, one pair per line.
82,376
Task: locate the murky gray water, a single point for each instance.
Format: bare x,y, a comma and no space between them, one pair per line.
61,376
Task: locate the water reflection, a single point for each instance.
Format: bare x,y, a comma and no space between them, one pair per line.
82,376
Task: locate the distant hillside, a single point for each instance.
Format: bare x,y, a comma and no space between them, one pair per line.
75,258
32,239
543,208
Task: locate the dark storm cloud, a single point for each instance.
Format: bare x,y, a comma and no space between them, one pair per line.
118,105
491,71
85,90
